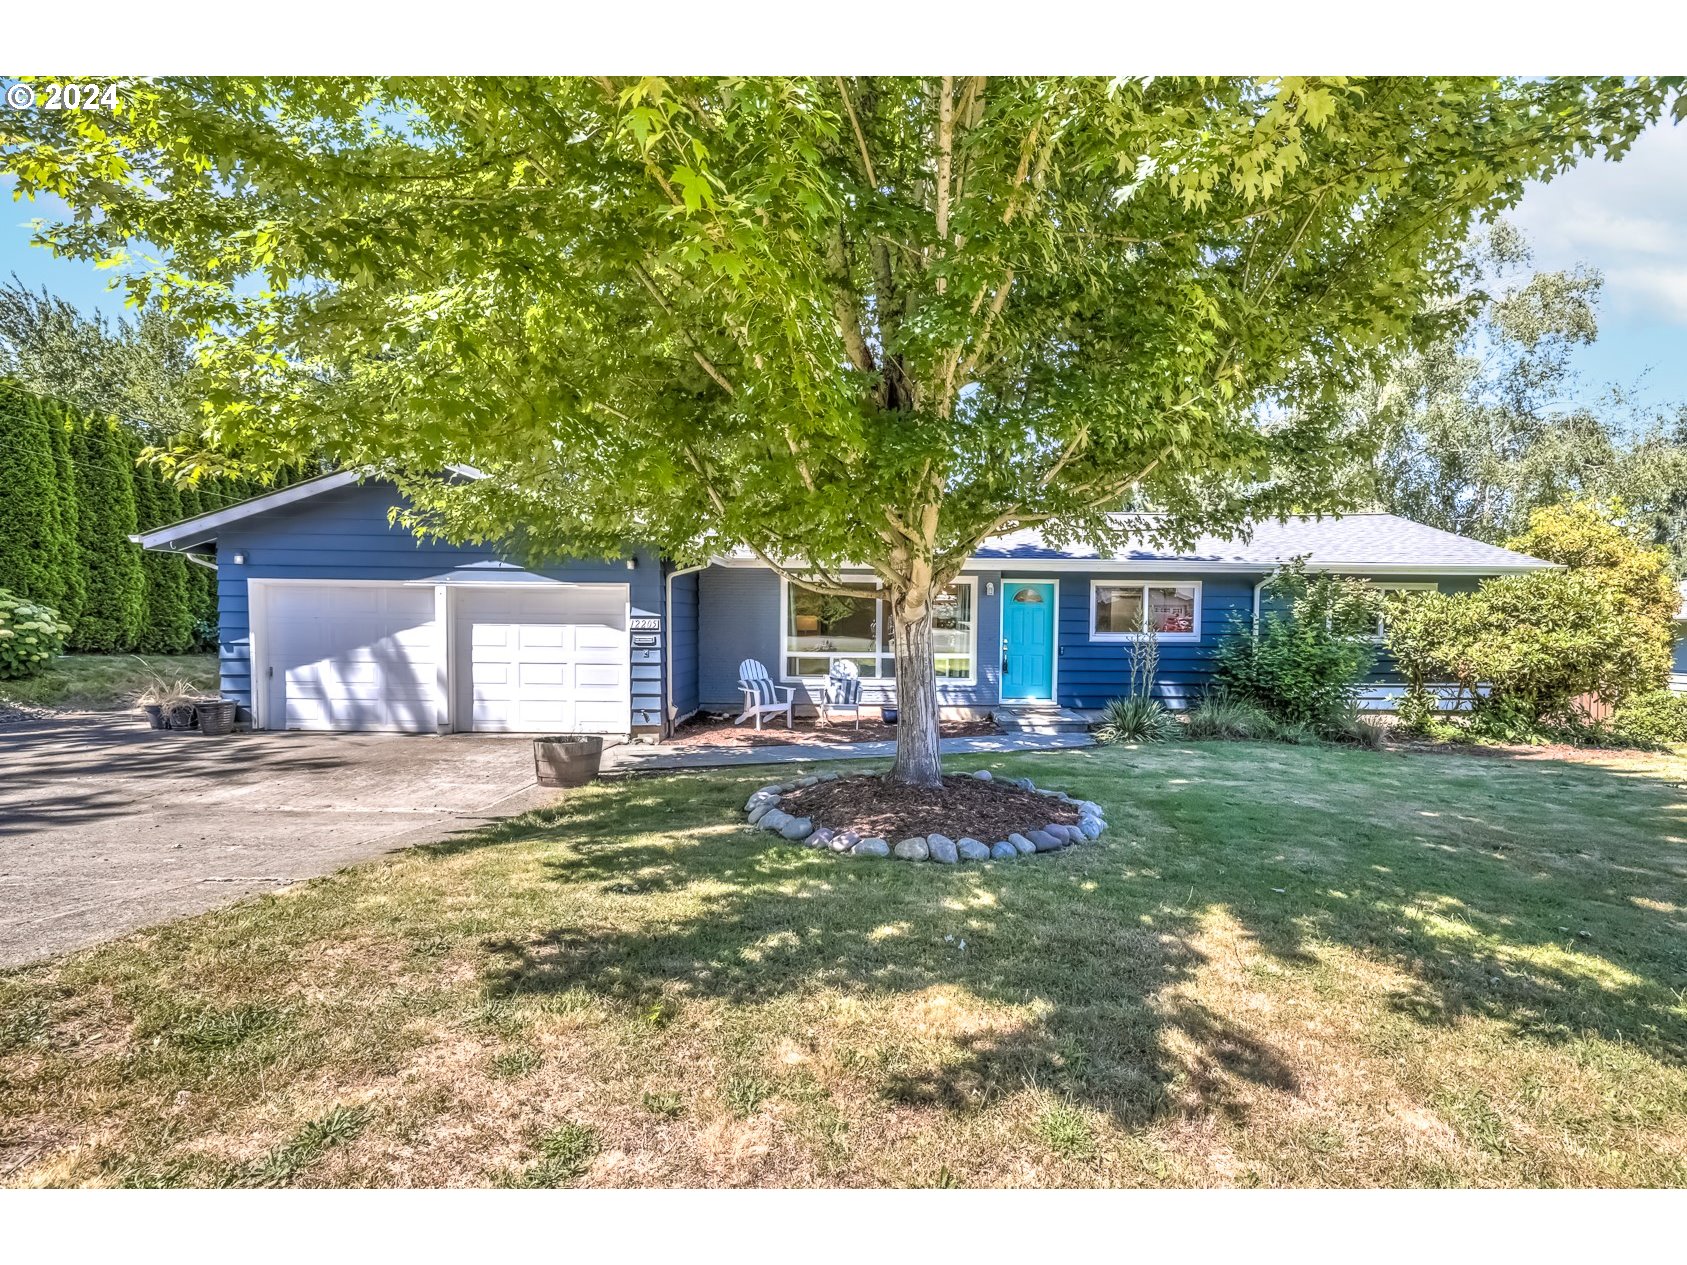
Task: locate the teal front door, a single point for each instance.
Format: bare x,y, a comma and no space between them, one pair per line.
1027,641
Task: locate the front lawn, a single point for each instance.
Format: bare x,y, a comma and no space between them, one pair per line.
1280,966
106,682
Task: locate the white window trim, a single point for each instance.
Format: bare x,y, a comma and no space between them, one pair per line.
1145,583
945,682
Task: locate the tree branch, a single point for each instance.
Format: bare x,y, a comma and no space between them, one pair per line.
860,137
662,301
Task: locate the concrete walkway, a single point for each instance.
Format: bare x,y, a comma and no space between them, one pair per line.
620,761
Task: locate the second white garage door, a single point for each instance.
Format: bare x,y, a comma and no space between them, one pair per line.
542,660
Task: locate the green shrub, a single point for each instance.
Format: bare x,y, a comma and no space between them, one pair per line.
1658,717
1417,711
1294,732
34,556
1134,718
1601,626
31,636
114,612
1314,644
1536,642
1221,715
1360,730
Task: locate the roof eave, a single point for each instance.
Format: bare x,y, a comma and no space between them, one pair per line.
1208,566
204,527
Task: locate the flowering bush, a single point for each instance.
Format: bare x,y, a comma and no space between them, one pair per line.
31,635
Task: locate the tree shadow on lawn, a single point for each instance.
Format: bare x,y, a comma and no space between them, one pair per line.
1407,866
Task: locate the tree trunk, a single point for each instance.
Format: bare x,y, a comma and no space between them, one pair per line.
918,759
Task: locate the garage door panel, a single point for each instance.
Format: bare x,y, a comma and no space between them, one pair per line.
544,636
599,637
607,716
544,674
601,675
557,661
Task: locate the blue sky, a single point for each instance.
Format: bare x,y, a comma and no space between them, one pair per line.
1627,219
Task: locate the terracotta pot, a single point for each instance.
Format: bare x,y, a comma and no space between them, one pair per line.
567,759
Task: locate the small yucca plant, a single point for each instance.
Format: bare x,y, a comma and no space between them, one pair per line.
1135,718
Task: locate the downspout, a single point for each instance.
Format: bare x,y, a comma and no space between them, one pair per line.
193,557
671,721
1258,586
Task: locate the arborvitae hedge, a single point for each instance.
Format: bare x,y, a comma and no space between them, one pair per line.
31,551
72,567
169,622
71,495
115,610
201,581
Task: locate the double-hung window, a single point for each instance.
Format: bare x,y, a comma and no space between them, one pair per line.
1126,610
820,629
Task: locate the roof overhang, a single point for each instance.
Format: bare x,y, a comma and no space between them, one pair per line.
204,528
1190,566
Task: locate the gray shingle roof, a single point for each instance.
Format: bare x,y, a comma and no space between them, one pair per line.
1382,541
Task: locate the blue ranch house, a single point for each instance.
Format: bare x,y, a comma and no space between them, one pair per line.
333,618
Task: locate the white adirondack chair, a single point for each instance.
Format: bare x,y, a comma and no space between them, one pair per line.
843,692
761,695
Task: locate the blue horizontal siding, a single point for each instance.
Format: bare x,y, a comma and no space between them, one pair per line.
346,535
682,640
738,619
1092,672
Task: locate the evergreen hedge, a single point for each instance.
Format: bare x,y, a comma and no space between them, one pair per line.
168,624
31,552
115,610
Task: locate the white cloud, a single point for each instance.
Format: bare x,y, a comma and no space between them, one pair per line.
1628,219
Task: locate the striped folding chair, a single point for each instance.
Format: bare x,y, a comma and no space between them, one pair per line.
843,691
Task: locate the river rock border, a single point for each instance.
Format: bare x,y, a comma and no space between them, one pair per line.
763,810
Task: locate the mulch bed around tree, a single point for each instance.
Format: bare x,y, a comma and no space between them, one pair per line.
719,731
965,807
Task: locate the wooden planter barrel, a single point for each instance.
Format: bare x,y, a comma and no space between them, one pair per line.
567,759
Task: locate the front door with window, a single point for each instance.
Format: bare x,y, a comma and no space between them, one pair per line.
1027,641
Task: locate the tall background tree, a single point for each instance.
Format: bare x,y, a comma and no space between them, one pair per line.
846,322
1490,422
137,369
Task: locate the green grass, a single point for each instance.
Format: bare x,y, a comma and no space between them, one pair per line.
106,682
1281,966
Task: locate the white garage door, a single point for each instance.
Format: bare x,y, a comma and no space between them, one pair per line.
547,660
350,656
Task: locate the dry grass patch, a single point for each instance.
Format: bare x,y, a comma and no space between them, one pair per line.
1409,970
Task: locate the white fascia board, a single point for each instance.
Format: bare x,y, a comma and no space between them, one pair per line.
203,527
1193,566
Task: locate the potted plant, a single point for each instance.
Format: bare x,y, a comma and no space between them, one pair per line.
158,699
567,759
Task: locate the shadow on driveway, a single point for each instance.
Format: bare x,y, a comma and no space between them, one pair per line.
106,826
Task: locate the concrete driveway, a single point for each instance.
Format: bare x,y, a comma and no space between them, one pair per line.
106,826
